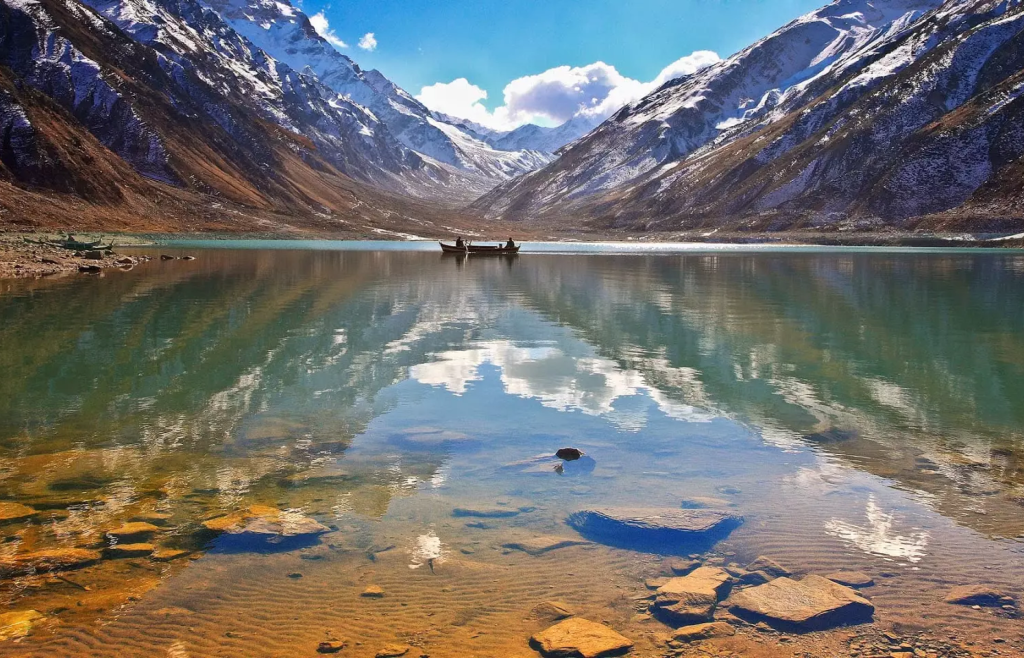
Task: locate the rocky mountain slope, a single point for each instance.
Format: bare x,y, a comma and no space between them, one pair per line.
122,108
285,33
866,112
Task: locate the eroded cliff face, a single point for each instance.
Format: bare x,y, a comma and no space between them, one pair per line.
870,113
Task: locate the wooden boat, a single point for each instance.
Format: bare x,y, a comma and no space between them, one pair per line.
492,250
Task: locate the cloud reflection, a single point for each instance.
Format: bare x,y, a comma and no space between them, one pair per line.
878,537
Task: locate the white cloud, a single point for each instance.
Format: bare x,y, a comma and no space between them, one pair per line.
323,28
368,42
556,95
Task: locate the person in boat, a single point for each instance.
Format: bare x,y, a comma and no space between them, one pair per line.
510,244
460,243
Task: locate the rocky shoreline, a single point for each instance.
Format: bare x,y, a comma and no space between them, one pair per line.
19,258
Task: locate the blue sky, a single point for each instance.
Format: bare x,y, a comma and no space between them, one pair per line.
490,44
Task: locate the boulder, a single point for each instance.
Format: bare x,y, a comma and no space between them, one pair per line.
982,595
813,603
769,566
373,592
580,638
661,530
56,559
133,530
692,598
698,632
856,579
543,544
569,454
15,512
14,625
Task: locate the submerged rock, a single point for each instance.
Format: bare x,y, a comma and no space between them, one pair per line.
705,502
698,632
569,454
331,646
551,611
855,579
373,592
399,651
14,625
663,530
129,550
543,543
982,595
168,554
580,638
692,598
813,603
56,559
486,512
133,530
15,512
681,567
769,566
266,521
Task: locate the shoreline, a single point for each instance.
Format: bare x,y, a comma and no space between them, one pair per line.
21,259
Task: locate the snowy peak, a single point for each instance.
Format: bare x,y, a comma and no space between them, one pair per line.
856,109
285,32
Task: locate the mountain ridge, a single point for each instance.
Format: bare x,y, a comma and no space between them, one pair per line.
754,152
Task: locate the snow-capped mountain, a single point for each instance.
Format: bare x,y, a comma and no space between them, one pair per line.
155,106
528,137
865,108
285,32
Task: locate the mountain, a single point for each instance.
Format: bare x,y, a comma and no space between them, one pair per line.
528,137
159,113
284,32
863,113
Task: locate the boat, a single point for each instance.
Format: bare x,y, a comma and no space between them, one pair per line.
492,250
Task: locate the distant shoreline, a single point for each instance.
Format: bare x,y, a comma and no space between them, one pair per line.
19,258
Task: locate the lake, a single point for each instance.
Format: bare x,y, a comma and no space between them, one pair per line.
860,409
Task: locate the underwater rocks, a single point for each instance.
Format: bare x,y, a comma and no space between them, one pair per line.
813,603
129,550
661,530
698,632
14,625
15,512
486,512
692,598
56,559
133,531
580,638
855,579
980,595
265,521
543,543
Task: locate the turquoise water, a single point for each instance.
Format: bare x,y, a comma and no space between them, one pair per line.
861,408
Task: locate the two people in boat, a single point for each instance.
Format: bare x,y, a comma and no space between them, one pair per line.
461,244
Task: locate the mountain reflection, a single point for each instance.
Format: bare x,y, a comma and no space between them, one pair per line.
244,370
